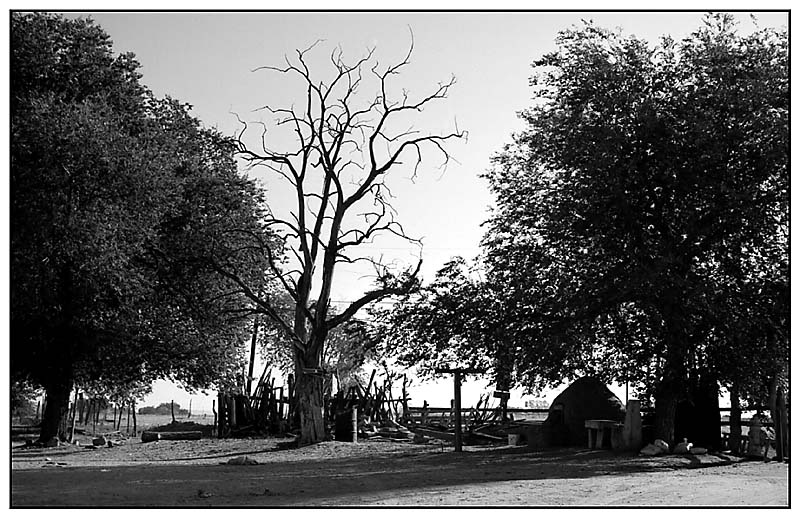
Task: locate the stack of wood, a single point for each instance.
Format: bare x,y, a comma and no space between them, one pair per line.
481,423
265,412
377,414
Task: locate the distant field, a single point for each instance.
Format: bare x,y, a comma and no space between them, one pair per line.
143,422
147,421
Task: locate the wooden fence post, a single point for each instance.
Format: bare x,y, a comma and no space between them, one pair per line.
457,399
230,403
214,409
355,423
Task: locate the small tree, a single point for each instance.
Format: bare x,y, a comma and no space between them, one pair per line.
343,152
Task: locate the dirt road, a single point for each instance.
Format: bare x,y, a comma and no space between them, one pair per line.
191,474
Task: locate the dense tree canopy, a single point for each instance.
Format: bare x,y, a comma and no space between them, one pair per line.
650,193
641,222
118,202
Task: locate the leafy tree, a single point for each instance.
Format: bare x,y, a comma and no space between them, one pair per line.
343,148
107,289
459,320
348,349
647,187
640,231
445,322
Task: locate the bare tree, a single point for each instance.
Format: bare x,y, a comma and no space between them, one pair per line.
344,148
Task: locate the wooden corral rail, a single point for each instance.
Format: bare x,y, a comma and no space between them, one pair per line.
443,416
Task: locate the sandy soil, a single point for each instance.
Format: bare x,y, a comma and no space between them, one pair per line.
378,473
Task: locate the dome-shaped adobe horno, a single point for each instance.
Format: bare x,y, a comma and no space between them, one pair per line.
586,398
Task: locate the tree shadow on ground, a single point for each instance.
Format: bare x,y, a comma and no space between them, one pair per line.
356,479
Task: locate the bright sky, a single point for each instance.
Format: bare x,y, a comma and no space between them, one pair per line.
206,59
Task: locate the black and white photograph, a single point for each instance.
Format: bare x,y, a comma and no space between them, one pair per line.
398,257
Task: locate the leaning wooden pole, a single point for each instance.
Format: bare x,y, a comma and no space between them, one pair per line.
253,342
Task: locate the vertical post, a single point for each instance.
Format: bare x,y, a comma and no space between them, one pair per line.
457,396
214,409
172,409
355,423
221,420
74,416
133,410
230,402
406,415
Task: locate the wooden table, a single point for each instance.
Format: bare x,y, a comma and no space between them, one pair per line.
599,426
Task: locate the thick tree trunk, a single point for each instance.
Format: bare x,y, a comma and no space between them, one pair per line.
672,387
308,392
698,418
56,409
707,417
666,404
735,437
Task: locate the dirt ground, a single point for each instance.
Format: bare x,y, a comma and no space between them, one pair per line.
380,473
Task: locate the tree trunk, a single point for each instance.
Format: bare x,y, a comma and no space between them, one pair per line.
308,391
781,422
672,386
56,409
697,418
73,418
504,366
666,404
735,437
81,408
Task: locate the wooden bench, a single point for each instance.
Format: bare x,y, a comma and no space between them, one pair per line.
598,427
